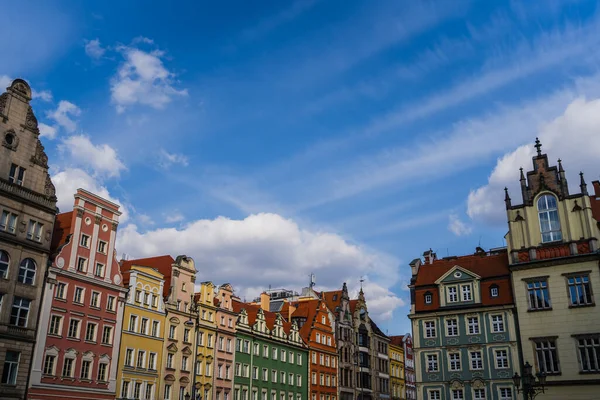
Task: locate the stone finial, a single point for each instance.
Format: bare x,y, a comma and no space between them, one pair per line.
538,146
507,198
560,167
522,177
582,184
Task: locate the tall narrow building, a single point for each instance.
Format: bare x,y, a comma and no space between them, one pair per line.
225,343
553,253
80,324
27,212
410,378
205,342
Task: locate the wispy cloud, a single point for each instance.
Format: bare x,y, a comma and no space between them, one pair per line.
167,159
94,49
64,115
102,159
457,226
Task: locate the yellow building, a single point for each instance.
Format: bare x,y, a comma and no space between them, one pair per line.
205,342
396,355
138,374
553,253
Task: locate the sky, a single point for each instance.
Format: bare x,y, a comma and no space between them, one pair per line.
269,140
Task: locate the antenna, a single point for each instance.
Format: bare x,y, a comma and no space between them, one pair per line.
362,279
479,241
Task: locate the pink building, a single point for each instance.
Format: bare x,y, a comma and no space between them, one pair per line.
409,368
225,344
82,306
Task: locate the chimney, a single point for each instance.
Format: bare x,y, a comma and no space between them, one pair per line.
596,188
292,309
429,256
265,301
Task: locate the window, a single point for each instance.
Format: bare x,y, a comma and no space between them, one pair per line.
434,395
8,222
154,300
494,291
505,394
167,394
101,247
125,389
580,291
129,357
184,363
95,300
273,376
16,174
132,323
274,355
107,334
85,240
110,303
209,342
34,231
432,363
454,361
478,394
4,262
55,325
476,360
430,329
452,327
155,328
141,359
172,332
67,370
90,332
27,271
473,323
99,271
299,358
170,358
78,297
102,367
589,353
547,356
254,373
299,380
81,264
49,363
549,221
428,298
186,335
148,394
501,359
86,366
283,355
458,394
539,298
282,377
19,312
452,294
138,296
497,323
137,388
466,292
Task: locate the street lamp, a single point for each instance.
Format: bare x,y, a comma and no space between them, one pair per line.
530,385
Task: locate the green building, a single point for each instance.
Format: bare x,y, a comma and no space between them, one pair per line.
270,356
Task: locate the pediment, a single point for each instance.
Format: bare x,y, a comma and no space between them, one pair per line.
457,274
174,320
169,378
172,347
184,379
186,350
105,357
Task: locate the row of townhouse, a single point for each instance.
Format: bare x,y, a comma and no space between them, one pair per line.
482,322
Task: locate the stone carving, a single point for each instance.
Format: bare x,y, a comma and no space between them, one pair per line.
23,227
49,189
79,213
20,86
478,374
114,226
98,219
430,343
31,121
453,341
504,374
60,262
474,339
10,140
434,377
499,338
40,158
3,100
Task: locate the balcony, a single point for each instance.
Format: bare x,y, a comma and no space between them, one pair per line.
18,332
27,194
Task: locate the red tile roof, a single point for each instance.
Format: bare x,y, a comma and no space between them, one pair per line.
162,264
595,200
62,229
307,309
252,311
353,304
397,340
483,265
330,302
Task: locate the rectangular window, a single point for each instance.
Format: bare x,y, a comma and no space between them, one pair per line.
99,271
154,301
589,353
107,334
186,335
184,363
86,367
547,355
255,373
73,329
49,363
494,291
148,394
170,358
55,325
505,394
454,361
430,329
501,359
434,395
452,327
85,240
110,303
473,323
476,360
580,290
167,393
452,294
155,328
61,290
137,389
132,323
432,363
458,394
172,332
144,326
8,222
497,323
125,389
129,357
34,231
539,297
101,247
67,370
81,264
274,354
141,359
466,292
95,300
102,368
90,332
78,296
16,174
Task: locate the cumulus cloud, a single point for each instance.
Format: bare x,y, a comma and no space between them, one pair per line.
64,115
5,82
47,131
267,249
68,180
44,95
102,158
93,49
458,227
167,159
573,137
173,217
143,79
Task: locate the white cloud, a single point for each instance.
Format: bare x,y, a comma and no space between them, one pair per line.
68,180
174,216
572,136
44,95
145,219
143,79
5,82
47,131
64,114
167,159
102,159
458,227
93,49
267,249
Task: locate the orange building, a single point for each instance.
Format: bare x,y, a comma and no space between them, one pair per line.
316,325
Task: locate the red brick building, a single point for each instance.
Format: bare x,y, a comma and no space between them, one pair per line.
316,329
82,307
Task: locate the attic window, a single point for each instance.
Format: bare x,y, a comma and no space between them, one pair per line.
428,298
494,291
334,297
457,274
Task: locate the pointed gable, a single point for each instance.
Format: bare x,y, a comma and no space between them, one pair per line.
457,274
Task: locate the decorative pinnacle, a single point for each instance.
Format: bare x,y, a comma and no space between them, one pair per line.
560,167
522,175
538,146
582,184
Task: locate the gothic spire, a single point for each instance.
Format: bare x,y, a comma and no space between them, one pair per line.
560,167
506,198
582,184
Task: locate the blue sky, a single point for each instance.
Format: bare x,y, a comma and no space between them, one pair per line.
270,140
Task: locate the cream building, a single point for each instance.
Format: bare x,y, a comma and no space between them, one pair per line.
554,259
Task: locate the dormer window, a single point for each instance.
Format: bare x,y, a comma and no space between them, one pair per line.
452,294
428,298
549,221
494,291
466,292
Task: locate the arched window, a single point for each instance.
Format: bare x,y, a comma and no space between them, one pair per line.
4,261
27,271
549,222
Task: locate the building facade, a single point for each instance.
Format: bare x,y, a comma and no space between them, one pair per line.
27,213
142,342
381,362
396,355
271,360
205,342
463,319
314,320
410,378
553,254
80,323
225,343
